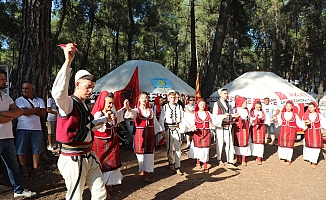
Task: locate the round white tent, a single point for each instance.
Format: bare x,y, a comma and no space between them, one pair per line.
259,84
147,71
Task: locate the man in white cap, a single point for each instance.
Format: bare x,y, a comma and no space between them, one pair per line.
172,114
224,133
77,163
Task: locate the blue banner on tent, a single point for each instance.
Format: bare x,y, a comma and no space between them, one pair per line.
161,83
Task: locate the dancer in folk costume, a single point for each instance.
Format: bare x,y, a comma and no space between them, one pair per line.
289,121
77,163
223,133
201,123
241,130
146,127
158,106
106,142
257,130
313,141
173,114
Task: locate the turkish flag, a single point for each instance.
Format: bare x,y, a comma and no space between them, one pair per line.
130,92
281,95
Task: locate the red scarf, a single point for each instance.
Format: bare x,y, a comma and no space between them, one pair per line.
100,102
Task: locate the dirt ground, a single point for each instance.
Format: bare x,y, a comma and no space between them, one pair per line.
272,180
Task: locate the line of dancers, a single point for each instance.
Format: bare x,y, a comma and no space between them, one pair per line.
242,130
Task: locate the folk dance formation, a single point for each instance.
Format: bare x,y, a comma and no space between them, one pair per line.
90,153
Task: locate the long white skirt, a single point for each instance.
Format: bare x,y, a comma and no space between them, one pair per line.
311,154
285,153
243,151
146,162
113,177
198,153
257,149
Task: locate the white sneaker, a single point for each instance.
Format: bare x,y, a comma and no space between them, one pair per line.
50,147
25,193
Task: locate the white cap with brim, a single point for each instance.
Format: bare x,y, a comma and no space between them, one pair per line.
170,91
80,74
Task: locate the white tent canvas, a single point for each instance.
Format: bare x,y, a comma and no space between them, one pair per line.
322,106
258,84
120,77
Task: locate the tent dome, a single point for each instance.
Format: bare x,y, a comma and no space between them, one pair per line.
120,77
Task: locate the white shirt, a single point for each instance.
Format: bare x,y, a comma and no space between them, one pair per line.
215,120
5,128
172,113
31,122
191,108
269,110
51,104
312,117
134,112
65,102
215,107
257,113
288,116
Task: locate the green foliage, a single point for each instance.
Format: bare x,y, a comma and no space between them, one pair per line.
279,36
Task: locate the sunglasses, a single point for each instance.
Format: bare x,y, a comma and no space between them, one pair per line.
191,99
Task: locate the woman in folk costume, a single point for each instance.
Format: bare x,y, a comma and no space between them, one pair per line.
106,142
201,123
313,141
158,102
146,127
257,130
289,121
241,130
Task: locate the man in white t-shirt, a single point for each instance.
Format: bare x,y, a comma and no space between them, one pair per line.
271,112
52,111
9,111
29,130
190,107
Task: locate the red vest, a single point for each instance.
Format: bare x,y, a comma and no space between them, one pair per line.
72,128
258,131
241,131
288,132
202,135
144,135
313,135
142,122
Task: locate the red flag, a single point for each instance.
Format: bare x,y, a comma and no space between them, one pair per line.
64,46
130,92
197,88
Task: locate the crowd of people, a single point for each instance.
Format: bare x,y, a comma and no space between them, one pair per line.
90,149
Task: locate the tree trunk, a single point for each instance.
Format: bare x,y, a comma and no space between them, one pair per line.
176,61
319,7
215,56
34,61
116,49
87,43
131,29
193,66
265,45
54,39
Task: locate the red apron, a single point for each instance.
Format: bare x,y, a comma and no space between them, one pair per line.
144,136
287,135
202,135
